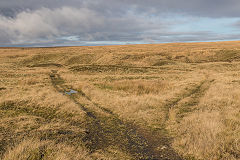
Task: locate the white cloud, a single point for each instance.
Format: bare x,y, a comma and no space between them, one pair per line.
88,25
46,23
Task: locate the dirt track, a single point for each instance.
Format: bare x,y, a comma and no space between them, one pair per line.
107,130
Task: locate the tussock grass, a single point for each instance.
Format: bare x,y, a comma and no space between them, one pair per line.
36,149
175,101
138,87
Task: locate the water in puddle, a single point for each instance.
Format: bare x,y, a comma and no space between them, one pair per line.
71,92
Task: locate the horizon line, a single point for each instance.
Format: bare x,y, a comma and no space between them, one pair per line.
105,45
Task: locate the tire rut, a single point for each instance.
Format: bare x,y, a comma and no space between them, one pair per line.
106,131
162,134
160,142
194,94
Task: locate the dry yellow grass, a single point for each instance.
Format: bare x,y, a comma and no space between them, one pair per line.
172,101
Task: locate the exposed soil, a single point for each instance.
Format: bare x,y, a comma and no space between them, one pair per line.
46,65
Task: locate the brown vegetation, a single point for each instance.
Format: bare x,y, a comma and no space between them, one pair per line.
163,101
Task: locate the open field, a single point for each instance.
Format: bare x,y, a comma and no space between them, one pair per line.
164,101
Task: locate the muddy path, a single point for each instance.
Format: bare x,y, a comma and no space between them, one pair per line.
108,130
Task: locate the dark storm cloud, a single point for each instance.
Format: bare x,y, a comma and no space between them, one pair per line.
208,8
12,7
54,21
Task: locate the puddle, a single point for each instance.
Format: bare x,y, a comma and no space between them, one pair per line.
71,92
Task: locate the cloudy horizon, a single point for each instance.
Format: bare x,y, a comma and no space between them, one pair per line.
100,22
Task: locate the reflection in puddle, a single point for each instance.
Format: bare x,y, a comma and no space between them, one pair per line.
71,92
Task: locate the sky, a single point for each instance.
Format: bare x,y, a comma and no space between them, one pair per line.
36,23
